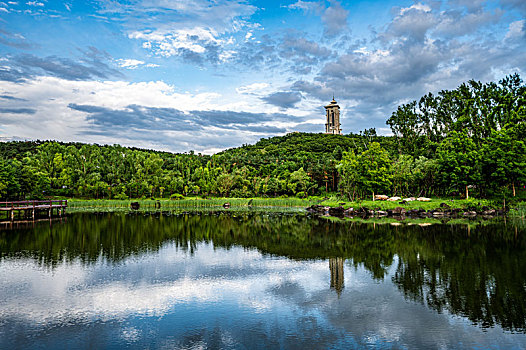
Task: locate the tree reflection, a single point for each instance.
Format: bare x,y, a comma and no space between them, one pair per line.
476,272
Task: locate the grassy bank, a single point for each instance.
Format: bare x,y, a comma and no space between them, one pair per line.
195,202
516,209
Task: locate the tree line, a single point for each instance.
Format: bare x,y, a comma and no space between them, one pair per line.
470,139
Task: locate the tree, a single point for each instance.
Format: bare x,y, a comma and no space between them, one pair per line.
504,159
375,169
459,162
301,181
348,169
224,184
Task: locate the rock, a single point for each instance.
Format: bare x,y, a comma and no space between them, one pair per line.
349,212
410,199
381,213
380,197
444,205
470,213
336,211
396,224
438,214
319,209
413,212
363,211
226,205
489,212
423,199
394,199
399,211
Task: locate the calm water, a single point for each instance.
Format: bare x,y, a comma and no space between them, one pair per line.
260,281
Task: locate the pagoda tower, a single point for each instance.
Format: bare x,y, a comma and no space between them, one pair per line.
332,112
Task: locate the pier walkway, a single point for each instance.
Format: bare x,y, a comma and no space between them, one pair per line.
30,209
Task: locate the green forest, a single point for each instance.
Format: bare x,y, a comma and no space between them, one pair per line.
465,142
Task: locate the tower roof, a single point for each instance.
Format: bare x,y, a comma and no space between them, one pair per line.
332,104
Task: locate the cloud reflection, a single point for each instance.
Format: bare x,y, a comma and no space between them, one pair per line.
227,296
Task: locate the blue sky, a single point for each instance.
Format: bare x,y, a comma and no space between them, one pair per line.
208,75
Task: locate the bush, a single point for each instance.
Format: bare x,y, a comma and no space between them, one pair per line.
176,196
120,196
300,194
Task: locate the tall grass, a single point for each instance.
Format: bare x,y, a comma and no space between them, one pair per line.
519,210
193,203
292,202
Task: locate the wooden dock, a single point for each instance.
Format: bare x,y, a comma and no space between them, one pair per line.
31,209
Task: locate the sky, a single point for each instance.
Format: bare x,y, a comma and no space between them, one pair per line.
210,75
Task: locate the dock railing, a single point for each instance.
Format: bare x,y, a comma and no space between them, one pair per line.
33,206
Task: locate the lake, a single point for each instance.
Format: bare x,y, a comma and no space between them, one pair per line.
256,280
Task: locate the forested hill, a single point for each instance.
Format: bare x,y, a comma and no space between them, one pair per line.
40,168
472,137
318,144
19,149
304,148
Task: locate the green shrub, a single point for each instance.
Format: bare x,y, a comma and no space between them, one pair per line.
176,196
120,196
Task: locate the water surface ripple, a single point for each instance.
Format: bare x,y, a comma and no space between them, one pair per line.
260,281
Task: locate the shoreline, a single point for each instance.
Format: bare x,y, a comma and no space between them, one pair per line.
436,208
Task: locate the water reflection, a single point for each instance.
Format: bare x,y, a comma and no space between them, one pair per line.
337,279
246,280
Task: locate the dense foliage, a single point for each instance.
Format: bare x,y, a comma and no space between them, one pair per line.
471,137
295,164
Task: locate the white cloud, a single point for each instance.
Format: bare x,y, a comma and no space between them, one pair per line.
419,6
196,31
516,30
362,50
35,3
252,88
50,99
130,63
304,5
169,43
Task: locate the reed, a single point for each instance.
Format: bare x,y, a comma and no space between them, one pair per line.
194,203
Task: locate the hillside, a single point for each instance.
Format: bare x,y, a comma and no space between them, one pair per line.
468,139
